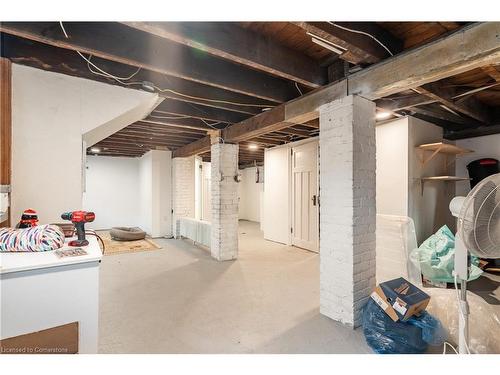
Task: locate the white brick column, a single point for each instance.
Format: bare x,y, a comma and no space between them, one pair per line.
347,210
224,188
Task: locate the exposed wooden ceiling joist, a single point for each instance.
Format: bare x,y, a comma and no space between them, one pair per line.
492,72
66,61
471,47
231,42
119,43
470,106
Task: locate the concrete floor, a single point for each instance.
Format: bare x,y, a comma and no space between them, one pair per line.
179,300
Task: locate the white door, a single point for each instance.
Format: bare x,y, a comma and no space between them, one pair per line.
305,202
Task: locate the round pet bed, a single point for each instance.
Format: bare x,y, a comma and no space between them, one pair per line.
127,234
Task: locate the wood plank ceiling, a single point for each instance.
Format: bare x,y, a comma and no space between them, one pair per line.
213,75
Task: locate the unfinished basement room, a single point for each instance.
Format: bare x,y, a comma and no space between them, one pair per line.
250,187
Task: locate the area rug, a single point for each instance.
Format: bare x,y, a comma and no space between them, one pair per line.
120,247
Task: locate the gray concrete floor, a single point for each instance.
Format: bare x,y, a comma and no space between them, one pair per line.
179,300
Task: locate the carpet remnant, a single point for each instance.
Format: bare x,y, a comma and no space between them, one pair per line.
120,247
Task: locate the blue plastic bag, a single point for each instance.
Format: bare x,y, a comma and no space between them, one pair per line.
386,336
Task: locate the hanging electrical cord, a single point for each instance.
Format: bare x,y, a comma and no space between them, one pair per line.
298,89
171,117
211,100
121,80
462,313
449,345
90,63
362,33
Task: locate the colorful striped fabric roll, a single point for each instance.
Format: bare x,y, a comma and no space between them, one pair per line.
40,238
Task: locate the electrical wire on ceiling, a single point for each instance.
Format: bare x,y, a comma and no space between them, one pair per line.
362,33
298,88
122,80
172,117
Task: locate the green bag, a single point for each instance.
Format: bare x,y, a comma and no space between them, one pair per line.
437,257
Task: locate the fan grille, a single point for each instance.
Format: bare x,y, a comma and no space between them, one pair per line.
479,220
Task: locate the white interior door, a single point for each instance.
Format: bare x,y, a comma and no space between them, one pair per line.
305,202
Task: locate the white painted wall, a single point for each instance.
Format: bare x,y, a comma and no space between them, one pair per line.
155,192
399,171
250,195
146,191
392,167
429,210
483,147
112,191
50,112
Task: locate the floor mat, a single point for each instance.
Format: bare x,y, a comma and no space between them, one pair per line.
120,247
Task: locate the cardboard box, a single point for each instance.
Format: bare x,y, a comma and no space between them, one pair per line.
400,299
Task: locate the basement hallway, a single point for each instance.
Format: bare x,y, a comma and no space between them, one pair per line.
179,300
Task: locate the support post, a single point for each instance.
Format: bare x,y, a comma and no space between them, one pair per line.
224,187
347,211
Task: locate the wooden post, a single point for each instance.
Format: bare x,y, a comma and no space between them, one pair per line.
5,126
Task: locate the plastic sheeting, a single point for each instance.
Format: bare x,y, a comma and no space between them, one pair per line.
413,336
396,240
436,256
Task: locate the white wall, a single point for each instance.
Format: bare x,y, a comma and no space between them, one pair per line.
392,167
429,210
250,195
483,147
146,191
112,191
155,192
399,173
50,112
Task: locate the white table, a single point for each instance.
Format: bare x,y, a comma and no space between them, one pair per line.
40,291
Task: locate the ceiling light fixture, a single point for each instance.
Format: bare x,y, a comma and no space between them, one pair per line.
253,147
382,115
95,150
327,46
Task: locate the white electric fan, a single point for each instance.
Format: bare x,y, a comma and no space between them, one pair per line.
478,232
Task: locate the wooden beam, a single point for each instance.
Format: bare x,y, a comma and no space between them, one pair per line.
395,104
470,133
492,72
359,49
47,57
442,117
469,48
197,147
470,106
229,41
119,43
5,127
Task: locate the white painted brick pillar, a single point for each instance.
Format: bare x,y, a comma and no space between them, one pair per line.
347,210
224,201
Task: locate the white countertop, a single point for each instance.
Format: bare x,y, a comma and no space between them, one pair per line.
15,262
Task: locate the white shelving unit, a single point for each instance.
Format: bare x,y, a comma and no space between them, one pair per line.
440,148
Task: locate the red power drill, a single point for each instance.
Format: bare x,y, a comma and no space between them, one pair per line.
79,218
